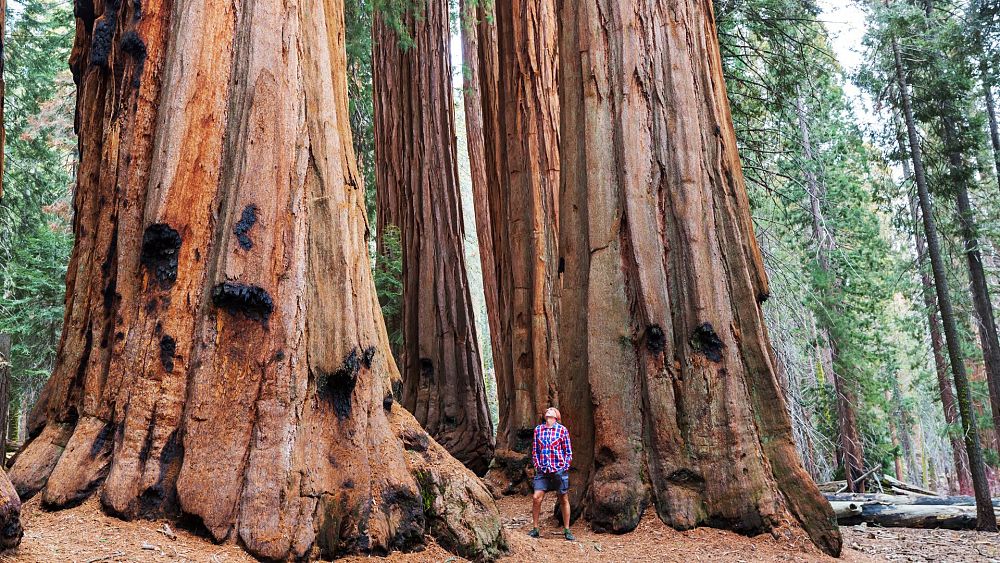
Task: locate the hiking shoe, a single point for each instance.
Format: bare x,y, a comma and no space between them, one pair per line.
569,535
533,533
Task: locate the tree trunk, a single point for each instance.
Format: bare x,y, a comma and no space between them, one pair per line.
913,516
224,356
849,446
10,504
677,381
987,519
986,326
417,191
991,114
473,15
525,202
934,328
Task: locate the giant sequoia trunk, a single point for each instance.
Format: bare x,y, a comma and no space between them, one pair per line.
677,386
524,215
850,453
223,356
417,191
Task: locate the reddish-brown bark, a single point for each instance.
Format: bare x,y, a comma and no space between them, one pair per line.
224,356
677,383
523,207
418,192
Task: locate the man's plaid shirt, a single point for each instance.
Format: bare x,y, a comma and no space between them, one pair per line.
551,451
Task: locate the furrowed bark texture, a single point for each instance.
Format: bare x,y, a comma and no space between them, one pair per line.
417,190
525,203
472,14
679,389
224,357
977,468
850,453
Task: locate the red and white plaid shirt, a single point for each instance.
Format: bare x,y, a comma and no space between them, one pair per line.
551,451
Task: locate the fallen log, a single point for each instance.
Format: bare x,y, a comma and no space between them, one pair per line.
862,498
845,509
832,486
913,516
899,485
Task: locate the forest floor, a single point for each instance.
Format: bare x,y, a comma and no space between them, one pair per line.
86,535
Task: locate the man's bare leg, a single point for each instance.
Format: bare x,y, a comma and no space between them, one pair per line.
564,500
536,507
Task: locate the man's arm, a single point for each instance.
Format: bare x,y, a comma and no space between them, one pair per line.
535,450
569,448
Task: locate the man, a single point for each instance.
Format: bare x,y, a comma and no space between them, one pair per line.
551,452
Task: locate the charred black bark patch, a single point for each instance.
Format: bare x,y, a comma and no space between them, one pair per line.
415,441
84,9
706,342
387,402
427,369
763,296
161,246
147,443
562,264
367,356
656,341
410,507
100,44
252,301
102,443
523,439
135,47
338,386
451,421
168,347
242,230
397,390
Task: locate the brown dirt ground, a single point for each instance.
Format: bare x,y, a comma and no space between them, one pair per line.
86,535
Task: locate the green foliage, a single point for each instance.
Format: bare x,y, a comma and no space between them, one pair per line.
35,214
361,110
388,273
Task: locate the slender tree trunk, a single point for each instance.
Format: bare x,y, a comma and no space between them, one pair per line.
986,321
417,189
948,403
684,404
849,446
991,114
10,504
986,517
224,356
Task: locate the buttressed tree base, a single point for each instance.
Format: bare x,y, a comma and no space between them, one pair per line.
673,399
224,356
